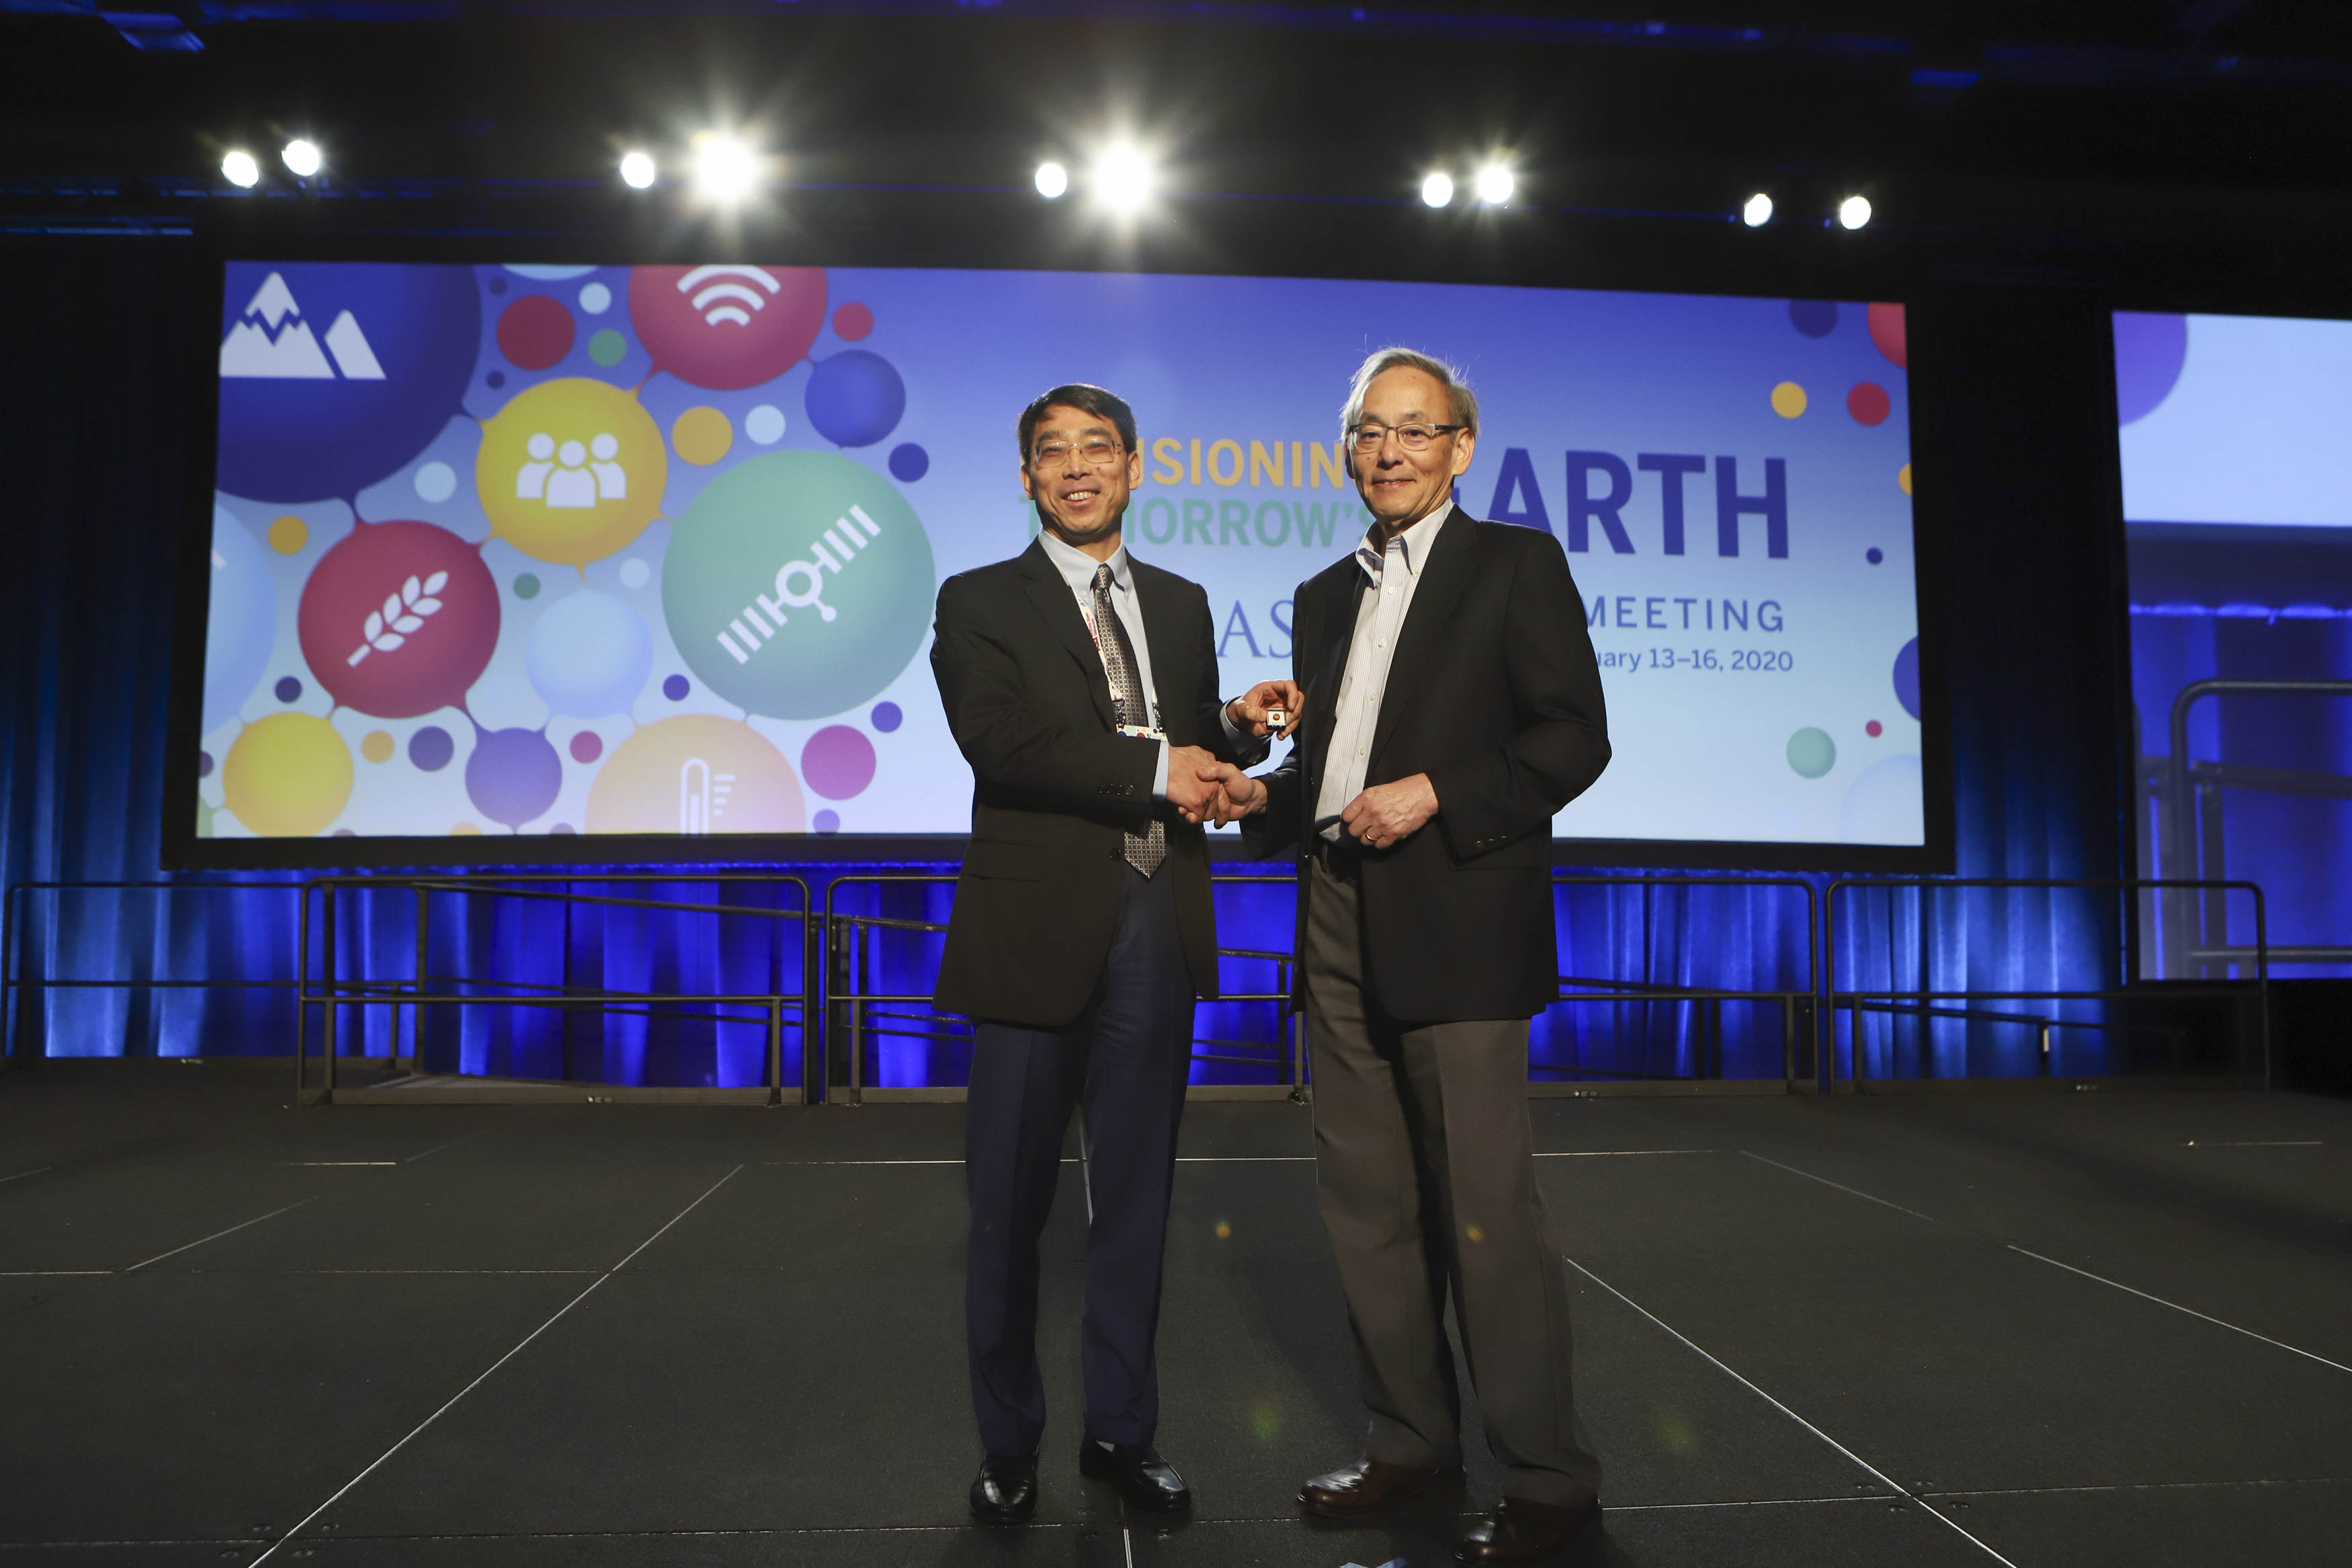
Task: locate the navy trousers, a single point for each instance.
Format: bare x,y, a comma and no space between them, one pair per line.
1126,1060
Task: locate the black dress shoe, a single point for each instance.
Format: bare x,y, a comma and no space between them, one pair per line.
1524,1531
1145,1479
1006,1491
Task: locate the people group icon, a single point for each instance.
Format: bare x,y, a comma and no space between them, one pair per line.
562,477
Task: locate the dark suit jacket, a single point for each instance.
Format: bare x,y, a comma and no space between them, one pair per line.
1494,694
1057,787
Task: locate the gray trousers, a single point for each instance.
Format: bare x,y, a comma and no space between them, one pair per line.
1425,1165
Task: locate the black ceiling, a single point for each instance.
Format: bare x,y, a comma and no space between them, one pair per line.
2147,148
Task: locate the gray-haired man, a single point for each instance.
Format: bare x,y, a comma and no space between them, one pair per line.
1453,706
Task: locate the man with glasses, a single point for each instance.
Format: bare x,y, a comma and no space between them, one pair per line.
1081,686
1453,707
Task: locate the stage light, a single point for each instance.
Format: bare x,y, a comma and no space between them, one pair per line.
724,169
1854,211
240,170
1052,180
303,157
1124,179
1758,212
1496,185
1437,189
637,170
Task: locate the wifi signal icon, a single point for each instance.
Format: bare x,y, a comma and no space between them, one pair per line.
717,294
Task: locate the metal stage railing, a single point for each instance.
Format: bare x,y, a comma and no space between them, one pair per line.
17,986
417,990
2189,822
836,961
1793,1003
1925,1001
848,942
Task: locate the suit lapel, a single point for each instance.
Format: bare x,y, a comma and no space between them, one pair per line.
1052,598
1155,596
1434,597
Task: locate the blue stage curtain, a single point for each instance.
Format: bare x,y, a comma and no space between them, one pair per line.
2023,631
2013,440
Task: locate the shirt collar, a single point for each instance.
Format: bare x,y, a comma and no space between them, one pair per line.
1077,568
1416,541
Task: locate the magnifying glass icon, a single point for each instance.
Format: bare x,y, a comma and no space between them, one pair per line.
811,594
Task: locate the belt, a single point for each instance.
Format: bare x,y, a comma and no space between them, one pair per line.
1339,859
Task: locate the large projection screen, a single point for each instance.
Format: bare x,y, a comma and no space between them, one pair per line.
2234,435
524,562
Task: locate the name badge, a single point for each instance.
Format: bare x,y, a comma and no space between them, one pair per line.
1140,732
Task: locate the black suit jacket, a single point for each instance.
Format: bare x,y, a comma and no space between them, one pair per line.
1057,787
1494,693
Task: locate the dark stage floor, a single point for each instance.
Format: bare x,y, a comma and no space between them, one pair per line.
2111,1329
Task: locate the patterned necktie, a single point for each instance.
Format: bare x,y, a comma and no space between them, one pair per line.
1145,850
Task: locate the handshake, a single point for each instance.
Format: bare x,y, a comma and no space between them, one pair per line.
1207,790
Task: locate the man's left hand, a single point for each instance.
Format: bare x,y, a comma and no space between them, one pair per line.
1248,711
1386,813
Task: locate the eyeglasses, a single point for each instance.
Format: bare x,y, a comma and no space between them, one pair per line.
1096,452
1371,433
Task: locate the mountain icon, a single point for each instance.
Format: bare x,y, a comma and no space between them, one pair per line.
273,303
272,341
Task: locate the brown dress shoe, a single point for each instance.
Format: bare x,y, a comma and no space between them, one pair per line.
1524,1531
1369,1485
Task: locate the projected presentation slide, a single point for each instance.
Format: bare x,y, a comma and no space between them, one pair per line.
2234,419
653,550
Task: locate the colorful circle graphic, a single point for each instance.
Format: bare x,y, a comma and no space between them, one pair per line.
241,622
798,584
696,774
838,762
513,774
399,619
589,654
571,470
2151,350
335,374
287,776
1884,804
1811,752
701,435
1906,678
431,748
535,332
856,398
1813,318
725,327
1886,330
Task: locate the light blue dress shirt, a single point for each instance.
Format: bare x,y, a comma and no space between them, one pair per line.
1078,569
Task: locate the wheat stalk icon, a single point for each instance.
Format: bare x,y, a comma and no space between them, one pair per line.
402,614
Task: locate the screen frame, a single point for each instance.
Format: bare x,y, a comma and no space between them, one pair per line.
184,849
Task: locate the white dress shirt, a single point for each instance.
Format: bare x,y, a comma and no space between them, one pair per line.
1395,572
1078,569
